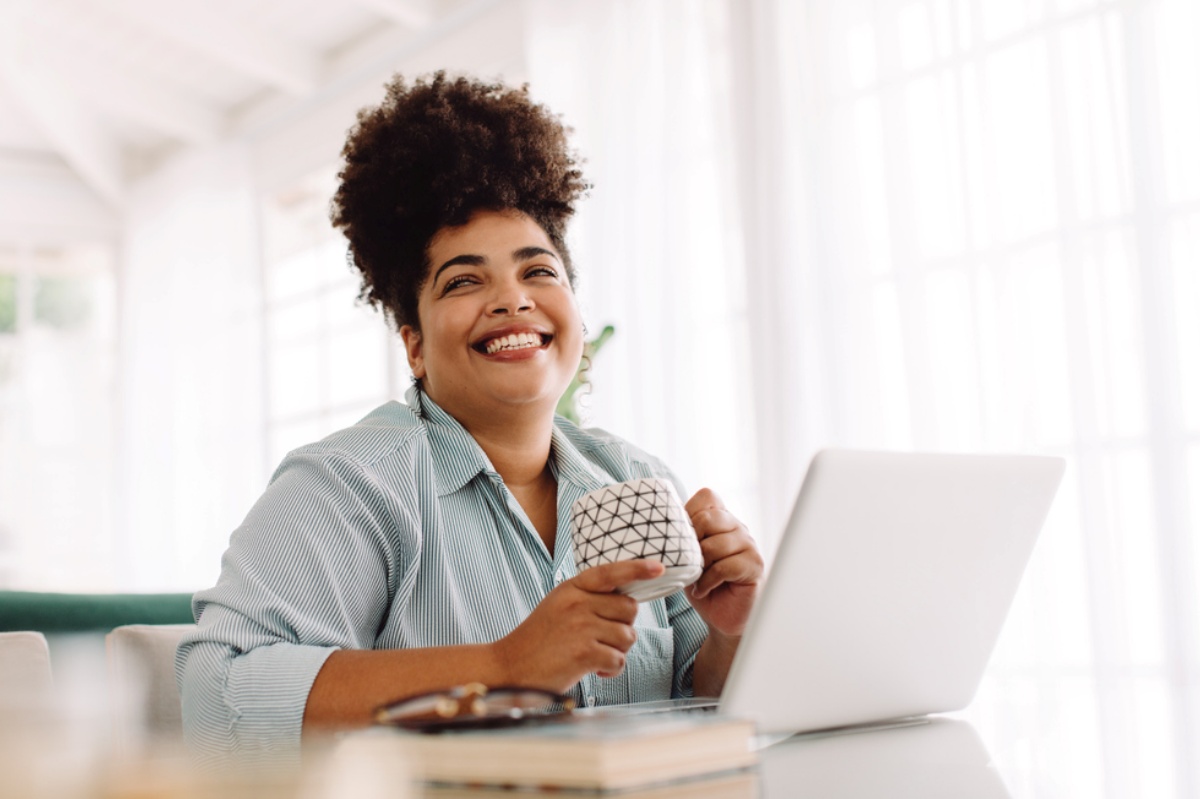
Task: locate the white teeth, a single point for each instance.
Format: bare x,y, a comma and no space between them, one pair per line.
515,341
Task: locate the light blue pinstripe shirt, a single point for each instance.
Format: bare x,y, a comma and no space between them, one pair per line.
396,533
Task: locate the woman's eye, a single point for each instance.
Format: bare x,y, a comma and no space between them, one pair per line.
542,271
456,282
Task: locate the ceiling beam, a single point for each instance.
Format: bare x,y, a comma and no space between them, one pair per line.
71,126
415,14
53,29
147,100
202,28
44,202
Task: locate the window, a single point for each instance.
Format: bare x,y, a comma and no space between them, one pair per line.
330,359
57,367
1014,219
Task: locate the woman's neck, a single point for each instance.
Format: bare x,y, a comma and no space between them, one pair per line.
521,455
519,452
516,439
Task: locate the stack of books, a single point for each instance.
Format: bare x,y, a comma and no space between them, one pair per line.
661,753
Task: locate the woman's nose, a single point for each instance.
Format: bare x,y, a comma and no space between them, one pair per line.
510,298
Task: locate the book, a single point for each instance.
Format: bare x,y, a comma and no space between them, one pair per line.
584,752
742,784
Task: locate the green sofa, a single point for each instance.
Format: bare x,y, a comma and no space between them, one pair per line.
54,614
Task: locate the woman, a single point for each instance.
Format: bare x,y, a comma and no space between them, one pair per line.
429,545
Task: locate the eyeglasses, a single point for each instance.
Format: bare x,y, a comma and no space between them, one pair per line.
474,705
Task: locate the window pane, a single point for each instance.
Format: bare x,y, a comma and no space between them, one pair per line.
1176,24
953,359
860,55
296,384
1112,304
1059,572
916,35
935,165
1094,95
890,403
1023,338
57,371
8,303
327,353
1005,17
1192,488
872,210
62,302
344,312
1152,740
1131,537
296,322
357,367
298,274
1021,141
1184,255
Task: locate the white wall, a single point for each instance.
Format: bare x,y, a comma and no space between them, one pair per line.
486,39
44,203
190,456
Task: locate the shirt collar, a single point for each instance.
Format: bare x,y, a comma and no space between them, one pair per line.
457,457
571,466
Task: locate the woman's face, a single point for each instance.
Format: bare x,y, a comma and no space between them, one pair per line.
500,328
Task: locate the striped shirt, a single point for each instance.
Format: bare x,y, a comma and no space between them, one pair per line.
398,533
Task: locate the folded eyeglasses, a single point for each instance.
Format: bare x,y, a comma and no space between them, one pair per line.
474,705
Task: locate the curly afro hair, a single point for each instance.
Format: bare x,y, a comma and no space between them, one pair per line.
431,155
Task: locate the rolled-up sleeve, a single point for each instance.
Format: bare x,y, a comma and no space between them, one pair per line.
314,568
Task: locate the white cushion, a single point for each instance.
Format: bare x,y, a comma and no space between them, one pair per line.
141,668
25,676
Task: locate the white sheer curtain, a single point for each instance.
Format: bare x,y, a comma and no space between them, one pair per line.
963,225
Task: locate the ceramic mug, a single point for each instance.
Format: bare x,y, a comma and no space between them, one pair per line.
641,518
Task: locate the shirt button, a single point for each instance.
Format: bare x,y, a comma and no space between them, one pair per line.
591,701
559,576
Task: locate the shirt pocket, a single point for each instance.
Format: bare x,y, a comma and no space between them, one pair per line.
649,664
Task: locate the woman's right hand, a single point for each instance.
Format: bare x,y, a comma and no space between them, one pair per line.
582,626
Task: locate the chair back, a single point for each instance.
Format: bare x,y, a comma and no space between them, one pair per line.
25,676
141,668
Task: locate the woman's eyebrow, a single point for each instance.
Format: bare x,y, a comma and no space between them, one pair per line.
469,260
529,253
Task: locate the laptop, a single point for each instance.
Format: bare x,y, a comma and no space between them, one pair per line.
888,590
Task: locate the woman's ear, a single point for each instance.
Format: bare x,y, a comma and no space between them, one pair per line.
412,348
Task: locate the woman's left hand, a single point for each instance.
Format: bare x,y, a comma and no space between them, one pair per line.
733,567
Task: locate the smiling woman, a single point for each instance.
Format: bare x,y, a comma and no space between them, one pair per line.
429,545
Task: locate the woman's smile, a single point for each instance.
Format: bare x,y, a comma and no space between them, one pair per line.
508,340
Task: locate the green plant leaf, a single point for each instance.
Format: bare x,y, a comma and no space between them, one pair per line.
568,403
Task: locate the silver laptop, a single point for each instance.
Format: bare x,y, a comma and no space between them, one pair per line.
889,588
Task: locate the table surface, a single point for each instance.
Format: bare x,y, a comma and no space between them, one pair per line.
1034,736
1062,737
1110,737
936,757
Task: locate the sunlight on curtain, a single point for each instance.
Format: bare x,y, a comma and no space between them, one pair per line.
1009,204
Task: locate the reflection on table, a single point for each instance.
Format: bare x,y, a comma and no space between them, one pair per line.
931,758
